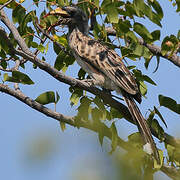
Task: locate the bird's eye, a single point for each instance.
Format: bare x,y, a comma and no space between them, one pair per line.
72,13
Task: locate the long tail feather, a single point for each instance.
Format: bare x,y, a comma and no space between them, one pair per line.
142,124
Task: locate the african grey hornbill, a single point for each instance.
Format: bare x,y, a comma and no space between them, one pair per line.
104,66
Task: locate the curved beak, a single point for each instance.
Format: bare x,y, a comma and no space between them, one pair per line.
59,11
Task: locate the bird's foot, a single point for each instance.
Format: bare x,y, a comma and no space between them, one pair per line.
91,82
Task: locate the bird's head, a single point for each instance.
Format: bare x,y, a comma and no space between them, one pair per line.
72,16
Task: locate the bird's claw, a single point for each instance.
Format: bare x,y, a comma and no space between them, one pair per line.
91,82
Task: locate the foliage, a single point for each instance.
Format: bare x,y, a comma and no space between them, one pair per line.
124,17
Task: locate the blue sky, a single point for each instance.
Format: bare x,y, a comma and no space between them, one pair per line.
22,128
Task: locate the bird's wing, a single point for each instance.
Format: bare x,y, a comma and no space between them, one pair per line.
106,61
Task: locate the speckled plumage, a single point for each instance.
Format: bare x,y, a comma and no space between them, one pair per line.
102,64
106,67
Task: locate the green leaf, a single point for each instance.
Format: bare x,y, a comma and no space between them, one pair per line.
59,63
143,88
114,139
170,150
96,2
169,103
98,101
139,7
142,31
156,35
46,48
62,125
81,74
4,46
61,40
137,49
130,35
41,48
105,3
169,43
135,138
141,77
23,78
46,98
110,9
57,49
34,44
18,14
140,50
157,7
125,51
24,22
151,116
74,99
57,97
178,35
28,40
158,129
84,108
8,78
112,13
114,113
160,116
96,114
124,25
178,5
63,60
18,77
2,53
161,156
3,63
147,53
129,9
76,96
147,61
158,61
149,80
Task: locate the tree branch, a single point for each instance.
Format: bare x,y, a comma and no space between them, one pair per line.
107,98
156,50
62,118
35,105
168,170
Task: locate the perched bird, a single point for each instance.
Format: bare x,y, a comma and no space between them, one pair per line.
105,67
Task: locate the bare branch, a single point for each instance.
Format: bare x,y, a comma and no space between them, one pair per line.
35,105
